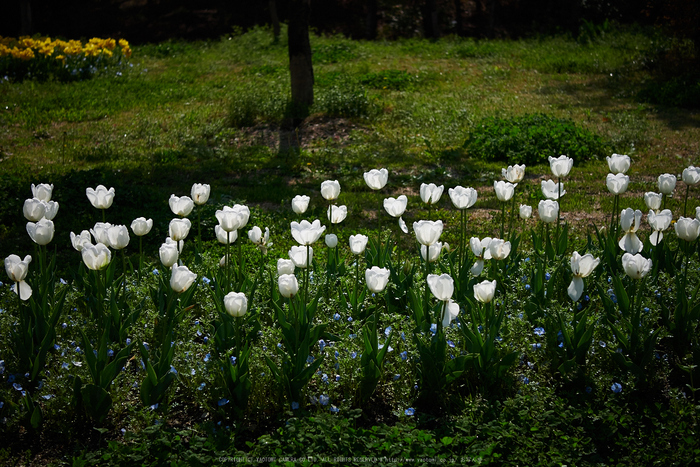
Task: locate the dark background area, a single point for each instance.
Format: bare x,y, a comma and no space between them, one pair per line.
142,21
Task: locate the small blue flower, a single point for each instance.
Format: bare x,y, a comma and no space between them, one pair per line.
353,355
110,353
616,388
586,298
64,325
646,309
321,345
47,396
324,399
403,337
310,359
223,401
154,406
206,280
588,389
433,328
539,331
336,316
334,409
324,378
397,376
536,346
128,341
155,272
201,386
451,344
387,331
233,360
173,370
525,380
295,405
349,319
337,378
336,354
17,386
404,355
547,276
561,345
527,286
207,357
602,344
409,411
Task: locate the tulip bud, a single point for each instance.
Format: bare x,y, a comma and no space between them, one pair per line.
182,278
376,179
504,190
636,266
179,229
376,279
42,191
200,193
330,189
168,252
667,183
618,163
288,285
358,243
33,209
300,203
41,232
100,197
181,206
525,211
691,175
96,257
140,226
561,166
687,229
431,193
285,266
653,200
427,232
617,184
548,210
236,304
331,240
485,291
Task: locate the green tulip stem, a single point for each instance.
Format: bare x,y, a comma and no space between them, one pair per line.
462,227
503,217
425,294
357,281
140,258
685,205
237,327
559,211
546,239
306,274
512,214
199,227
228,261
103,216
379,233
240,258
664,204
124,272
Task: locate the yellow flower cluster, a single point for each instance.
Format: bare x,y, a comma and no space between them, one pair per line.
27,48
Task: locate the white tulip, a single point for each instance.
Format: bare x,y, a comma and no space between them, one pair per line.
617,184
288,285
306,233
431,253
636,266
667,183
691,175
485,291
653,200
236,304
525,211
300,203
442,286
561,166
427,232
181,206
141,226
358,243
51,209
402,225
499,249
687,229
462,198
99,232
376,279
659,222
179,229
331,240
41,232
96,257
396,206
17,270
619,163
431,193
514,173
285,266
42,191
630,221
233,218
118,236
449,312
181,278
79,241
200,193
168,252
548,210
552,190
33,209
376,179
581,266
298,256
100,197
225,237
330,189
504,190
337,214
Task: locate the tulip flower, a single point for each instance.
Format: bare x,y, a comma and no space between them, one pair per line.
427,232
298,256
376,179
236,304
200,193
687,229
330,189
224,237
33,209
140,226
636,266
525,211
691,175
499,249
504,190
306,233
396,206
358,243
431,193
100,197
402,225
442,286
42,191
630,221
337,214
581,266
179,229
168,252
552,190
697,213
618,163
181,206
99,232
667,183
548,210
79,241
233,218
41,232
481,250
181,278
653,200
118,236
484,291
300,203
96,257
450,312
514,173
17,269
561,166
256,236
288,285
331,240
285,266
617,184
462,198
431,253
51,209
659,222
376,279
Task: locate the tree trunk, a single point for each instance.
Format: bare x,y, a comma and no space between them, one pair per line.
371,31
275,20
459,22
27,28
491,17
430,20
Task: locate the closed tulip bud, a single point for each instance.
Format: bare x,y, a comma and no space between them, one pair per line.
548,210
225,237
504,190
236,304
514,173
17,269
396,206
653,200
427,232
376,179
99,232
300,203
33,209
140,226
118,236
667,183
525,211
337,214
462,198
450,312
200,193
376,279
179,229
331,240
561,166
636,266
552,190
288,285
442,286
168,253
285,266
358,243
619,163
499,249
96,257
298,256
42,191
431,253
617,184
691,175
485,291
330,189
687,229
658,223
41,232
431,193
181,206
182,278
79,241
100,197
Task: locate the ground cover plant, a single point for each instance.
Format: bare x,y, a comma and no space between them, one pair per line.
449,307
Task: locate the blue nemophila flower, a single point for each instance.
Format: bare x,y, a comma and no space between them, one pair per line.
433,328
349,319
47,396
539,331
409,411
206,280
199,333
2,366
321,345
201,386
310,359
337,378
397,376
64,366
17,386
207,357
154,406
602,344
579,307
128,341
646,309
110,353
324,378
295,405
527,286
353,355
336,354
233,360
536,346
387,331
155,272
403,337
223,401
547,276
451,344
334,409
173,370
336,316
588,389
586,298
616,388
2,404
404,355
561,345
525,380
193,372
352,336
324,399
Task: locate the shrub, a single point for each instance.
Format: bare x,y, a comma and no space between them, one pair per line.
531,139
